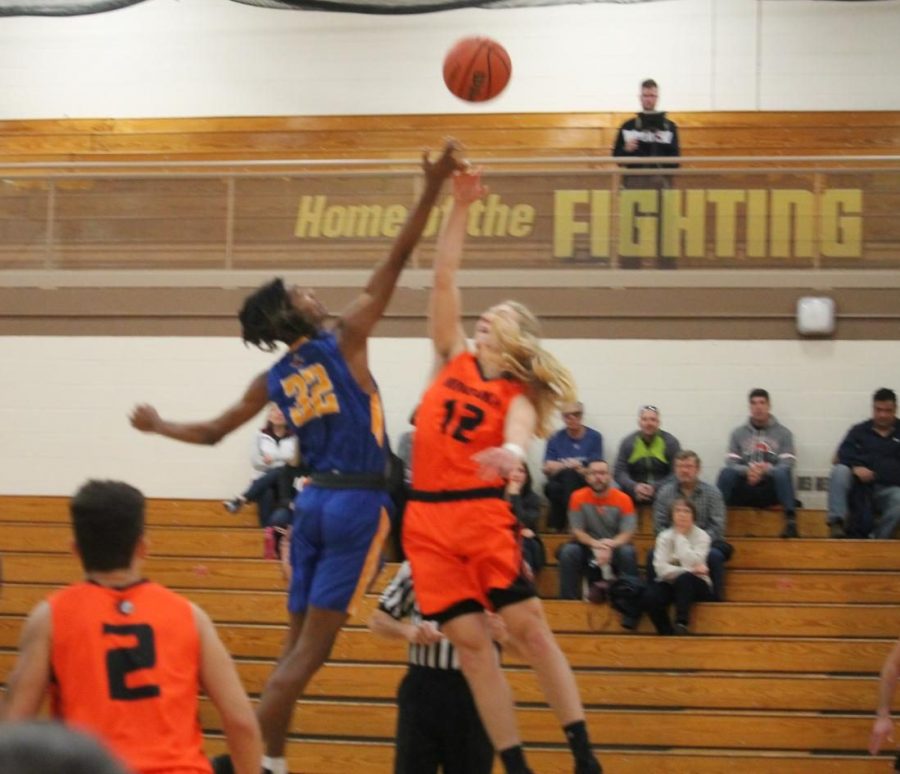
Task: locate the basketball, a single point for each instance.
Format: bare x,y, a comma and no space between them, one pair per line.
477,69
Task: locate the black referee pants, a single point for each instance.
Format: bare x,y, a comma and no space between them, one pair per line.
438,728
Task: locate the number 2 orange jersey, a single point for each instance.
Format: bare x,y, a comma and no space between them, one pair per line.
126,669
461,414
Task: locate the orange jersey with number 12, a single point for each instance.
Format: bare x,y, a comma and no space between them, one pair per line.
461,414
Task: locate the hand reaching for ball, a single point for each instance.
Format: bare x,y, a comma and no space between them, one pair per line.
467,185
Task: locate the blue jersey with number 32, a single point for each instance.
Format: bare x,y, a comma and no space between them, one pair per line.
340,427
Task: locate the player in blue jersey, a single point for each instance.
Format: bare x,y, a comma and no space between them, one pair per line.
324,387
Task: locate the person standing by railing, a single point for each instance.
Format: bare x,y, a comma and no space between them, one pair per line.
650,134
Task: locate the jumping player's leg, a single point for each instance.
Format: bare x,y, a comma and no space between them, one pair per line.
335,548
478,660
535,642
293,673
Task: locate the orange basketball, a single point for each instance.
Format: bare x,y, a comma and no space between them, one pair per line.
477,69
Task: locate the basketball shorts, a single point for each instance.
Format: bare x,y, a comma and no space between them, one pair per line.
465,556
336,544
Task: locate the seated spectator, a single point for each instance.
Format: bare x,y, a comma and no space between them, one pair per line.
564,458
759,464
709,514
526,506
682,575
405,447
868,473
603,522
644,462
400,482
275,457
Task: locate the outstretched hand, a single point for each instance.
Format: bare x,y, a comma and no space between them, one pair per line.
439,170
144,418
467,185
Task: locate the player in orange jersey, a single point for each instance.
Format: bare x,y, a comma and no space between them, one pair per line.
472,426
123,658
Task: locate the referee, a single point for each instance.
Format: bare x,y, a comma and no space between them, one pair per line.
438,728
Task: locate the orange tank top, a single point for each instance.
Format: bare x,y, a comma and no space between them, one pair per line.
126,668
460,414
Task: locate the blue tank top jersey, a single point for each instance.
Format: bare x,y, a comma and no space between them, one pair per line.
340,427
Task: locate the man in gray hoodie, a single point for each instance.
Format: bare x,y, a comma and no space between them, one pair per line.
759,464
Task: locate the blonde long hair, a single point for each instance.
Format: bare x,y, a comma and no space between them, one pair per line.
549,382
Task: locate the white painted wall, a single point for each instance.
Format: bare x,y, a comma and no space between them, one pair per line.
64,401
217,58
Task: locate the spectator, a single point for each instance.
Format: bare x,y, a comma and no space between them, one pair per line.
405,447
644,462
125,657
709,514
275,456
603,522
868,472
401,483
650,134
564,458
682,575
760,462
437,721
41,747
526,505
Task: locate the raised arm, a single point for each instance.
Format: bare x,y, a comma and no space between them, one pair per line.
444,314
146,419
359,318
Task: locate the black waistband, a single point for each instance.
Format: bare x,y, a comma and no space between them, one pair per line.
375,481
453,495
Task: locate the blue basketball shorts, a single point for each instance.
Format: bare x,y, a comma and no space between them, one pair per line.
336,545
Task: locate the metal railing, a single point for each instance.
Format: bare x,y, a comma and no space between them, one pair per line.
801,213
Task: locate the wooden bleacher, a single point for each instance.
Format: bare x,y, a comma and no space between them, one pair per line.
779,678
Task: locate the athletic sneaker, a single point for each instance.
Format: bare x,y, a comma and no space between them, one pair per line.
233,505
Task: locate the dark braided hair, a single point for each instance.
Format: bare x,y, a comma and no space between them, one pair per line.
268,317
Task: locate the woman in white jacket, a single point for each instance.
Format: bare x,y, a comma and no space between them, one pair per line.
682,575
274,456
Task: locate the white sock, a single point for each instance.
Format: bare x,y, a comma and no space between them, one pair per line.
275,765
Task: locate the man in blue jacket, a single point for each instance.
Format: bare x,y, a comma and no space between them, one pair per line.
868,473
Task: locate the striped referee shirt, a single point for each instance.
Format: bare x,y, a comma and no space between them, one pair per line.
399,601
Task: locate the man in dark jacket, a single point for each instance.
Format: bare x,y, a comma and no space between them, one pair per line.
868,470
649,135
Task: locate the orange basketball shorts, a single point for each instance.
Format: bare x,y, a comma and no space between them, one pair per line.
465,556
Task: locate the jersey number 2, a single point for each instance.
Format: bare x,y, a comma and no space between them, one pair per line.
460,420
121,661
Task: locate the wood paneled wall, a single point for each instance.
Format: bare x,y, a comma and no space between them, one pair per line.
400,136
